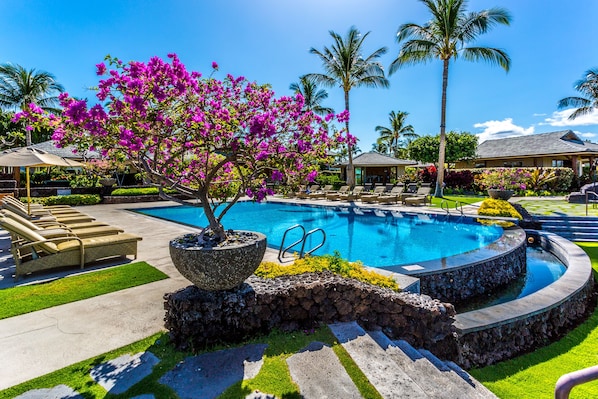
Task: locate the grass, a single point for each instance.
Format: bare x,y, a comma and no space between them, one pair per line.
29,298
556,208
273,378
534,375
452,200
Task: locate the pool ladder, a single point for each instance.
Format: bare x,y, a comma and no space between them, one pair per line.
283,250
458,206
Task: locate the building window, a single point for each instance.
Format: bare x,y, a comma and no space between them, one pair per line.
513,164
558,163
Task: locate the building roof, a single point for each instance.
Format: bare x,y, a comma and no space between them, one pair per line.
554,143
376,159
64,152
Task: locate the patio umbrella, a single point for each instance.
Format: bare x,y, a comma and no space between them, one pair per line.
32,157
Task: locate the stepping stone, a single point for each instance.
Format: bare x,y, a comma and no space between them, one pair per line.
58,392
118,375
319,374
208,375
260,395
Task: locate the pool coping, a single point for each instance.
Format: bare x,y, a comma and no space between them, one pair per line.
575,279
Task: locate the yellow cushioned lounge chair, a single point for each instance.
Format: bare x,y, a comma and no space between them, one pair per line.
336,195
378,191
59,229
45,215
33,253
393,196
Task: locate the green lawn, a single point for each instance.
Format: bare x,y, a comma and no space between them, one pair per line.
556,208
29,298
452,200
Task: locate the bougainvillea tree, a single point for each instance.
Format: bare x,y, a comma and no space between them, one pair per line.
214,140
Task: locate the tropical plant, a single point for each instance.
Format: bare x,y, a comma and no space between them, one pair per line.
459,146
312,96
20,87
515,179
588,87
346,67
447,36
380,147
397,131
209,139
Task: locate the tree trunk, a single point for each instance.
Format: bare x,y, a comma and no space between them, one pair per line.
350,170
213,222
442,146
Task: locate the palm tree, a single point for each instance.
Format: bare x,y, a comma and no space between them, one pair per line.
346,67
447,36
381,147
588,87
392,135
312,96
20,87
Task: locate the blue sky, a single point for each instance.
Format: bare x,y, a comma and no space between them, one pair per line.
550,42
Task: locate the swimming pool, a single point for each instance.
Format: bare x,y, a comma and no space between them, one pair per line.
378,239
543,268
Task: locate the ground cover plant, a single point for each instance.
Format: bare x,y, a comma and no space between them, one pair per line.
29,298
140,191
72,199
534,375
334,263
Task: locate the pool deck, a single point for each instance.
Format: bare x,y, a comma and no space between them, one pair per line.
40,342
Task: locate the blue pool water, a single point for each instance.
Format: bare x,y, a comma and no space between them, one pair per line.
543,268
376,240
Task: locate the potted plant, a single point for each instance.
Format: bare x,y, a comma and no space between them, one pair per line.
502,183
214,140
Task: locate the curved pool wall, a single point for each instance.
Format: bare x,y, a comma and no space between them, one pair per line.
501,332
457,278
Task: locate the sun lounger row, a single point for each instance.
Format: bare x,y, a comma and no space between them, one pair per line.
410,196
56,237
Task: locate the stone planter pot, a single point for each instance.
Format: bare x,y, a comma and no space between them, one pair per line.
219,268
108,182
500,194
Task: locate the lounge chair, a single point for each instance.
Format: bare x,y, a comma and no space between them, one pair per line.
336,195
52,230
393,196
46,215
378,191
35,205
353,195
420,197
312,189
33,253
320,193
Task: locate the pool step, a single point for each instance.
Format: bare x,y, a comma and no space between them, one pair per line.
574,228
397,370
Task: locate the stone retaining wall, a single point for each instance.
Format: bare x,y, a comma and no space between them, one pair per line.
501,332
458,284
196,318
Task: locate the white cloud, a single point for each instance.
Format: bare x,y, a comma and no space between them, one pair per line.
586,136
501,129
538,114
561,118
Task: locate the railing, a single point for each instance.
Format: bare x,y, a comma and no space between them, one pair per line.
567,382
593,200
304,236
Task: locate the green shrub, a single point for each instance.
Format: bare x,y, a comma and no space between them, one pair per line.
498,208
140,191
73,199
334,263
327,179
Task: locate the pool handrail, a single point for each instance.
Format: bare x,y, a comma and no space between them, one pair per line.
284,250
568,381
